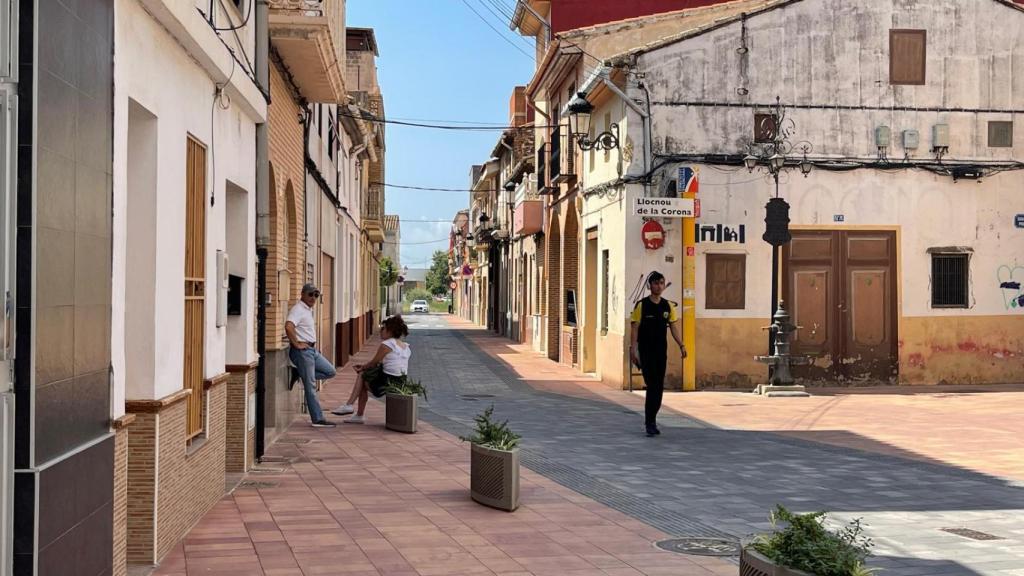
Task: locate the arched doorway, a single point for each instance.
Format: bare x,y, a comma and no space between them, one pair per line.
570,283
553,271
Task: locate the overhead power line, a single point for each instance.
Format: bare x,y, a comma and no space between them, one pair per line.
496,31
371,118
428,188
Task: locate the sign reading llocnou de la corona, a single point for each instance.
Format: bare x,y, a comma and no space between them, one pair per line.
663,207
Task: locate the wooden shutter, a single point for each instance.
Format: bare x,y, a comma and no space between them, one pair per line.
726,281
907,56
195,281
765,127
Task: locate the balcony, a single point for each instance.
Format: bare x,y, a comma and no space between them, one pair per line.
373,213
566,159
302,35
528,217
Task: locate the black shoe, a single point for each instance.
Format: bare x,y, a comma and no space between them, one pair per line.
652,430
323,424
294,378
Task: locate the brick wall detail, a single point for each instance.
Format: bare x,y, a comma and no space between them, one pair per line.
239,438
120,563
170,483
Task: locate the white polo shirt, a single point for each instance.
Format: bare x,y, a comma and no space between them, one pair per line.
301,316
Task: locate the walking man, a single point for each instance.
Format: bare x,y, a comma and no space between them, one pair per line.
649,345
310,365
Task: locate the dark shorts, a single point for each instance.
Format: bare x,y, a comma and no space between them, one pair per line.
379,383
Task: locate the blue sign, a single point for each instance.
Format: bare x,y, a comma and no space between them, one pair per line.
1018,220
684,180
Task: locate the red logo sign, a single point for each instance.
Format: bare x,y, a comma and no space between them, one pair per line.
653,235
690,251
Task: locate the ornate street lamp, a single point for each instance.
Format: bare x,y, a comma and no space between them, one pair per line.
580,110
771,156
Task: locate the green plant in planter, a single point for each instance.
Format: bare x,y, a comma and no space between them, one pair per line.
405,386
490,434
806,544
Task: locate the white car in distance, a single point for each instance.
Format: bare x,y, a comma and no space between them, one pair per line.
420,306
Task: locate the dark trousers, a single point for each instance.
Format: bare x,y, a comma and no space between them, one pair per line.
652,366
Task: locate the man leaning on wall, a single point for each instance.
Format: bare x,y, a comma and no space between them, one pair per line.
309,365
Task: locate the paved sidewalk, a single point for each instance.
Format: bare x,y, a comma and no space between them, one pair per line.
978,428
363,500
701,479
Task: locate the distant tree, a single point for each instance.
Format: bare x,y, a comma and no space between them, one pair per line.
438,278
417,294
388,272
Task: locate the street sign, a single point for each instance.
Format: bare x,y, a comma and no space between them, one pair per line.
686,181
1018,220
663,207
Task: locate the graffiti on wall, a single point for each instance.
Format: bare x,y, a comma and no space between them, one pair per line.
719,234
1010,278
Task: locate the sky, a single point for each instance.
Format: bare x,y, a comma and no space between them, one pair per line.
439,61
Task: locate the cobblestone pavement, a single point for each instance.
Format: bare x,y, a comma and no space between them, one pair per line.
699,480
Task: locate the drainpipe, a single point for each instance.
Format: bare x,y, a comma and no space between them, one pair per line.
262,226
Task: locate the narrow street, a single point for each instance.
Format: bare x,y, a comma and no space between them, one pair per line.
591,469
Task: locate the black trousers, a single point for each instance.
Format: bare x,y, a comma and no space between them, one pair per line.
652,366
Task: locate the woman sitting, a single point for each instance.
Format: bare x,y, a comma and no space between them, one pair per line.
391,362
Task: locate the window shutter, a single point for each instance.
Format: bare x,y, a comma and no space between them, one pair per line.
907,56
726,282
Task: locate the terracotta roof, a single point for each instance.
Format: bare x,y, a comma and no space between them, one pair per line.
391,222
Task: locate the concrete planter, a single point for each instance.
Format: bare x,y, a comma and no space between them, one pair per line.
754,564
494,477
401,413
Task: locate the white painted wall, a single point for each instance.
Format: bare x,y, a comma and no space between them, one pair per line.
153,68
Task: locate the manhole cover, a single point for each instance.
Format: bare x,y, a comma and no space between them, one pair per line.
972,534
701,546
257,484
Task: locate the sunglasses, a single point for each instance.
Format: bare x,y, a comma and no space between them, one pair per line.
314,294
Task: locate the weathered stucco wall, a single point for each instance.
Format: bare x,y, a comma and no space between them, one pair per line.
818,55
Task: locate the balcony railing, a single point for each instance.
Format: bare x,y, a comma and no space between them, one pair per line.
542,162
554,158
373,208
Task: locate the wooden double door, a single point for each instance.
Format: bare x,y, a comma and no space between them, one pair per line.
840,288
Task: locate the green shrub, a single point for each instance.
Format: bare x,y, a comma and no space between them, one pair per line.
418,294
405,386
805,544
490,434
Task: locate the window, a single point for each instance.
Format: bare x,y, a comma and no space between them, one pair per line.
1000,134
764,127
726,281
195,283
605,258
949,280
907,56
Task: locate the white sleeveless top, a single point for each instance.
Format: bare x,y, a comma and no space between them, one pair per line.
396,362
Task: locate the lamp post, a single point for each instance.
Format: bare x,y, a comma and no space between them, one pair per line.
580,110
774,154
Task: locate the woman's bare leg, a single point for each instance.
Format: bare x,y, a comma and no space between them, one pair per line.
364,395
355,390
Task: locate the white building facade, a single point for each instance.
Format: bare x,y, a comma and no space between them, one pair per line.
899,269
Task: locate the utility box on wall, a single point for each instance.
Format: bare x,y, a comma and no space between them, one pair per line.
222,288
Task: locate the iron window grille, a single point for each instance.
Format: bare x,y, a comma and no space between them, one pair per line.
950,275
